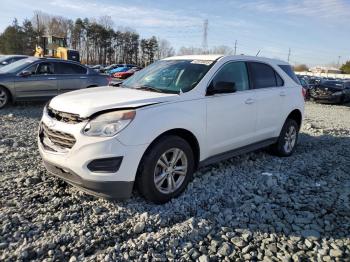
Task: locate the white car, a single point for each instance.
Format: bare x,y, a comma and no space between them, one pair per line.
170,118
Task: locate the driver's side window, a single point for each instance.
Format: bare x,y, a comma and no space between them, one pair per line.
234,72
43,68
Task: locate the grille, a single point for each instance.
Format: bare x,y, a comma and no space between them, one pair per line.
63,116
60,139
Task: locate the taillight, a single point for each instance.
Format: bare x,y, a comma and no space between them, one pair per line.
303,91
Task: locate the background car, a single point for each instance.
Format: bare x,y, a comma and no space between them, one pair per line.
42,78
122,68
9,59
331,91
305,84
125,75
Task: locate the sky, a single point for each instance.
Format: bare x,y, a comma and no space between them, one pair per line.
317,32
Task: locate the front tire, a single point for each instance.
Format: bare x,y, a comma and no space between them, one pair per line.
4,97
165,169
287,140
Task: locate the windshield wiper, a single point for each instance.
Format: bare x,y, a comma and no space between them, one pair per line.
150,88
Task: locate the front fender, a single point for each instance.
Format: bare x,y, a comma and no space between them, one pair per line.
152,121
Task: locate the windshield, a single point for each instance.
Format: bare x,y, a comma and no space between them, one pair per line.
170,76
3,58
17,66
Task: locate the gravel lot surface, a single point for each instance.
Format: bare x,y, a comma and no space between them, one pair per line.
252,207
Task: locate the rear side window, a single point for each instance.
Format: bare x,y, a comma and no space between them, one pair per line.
264,76
289,71
70,69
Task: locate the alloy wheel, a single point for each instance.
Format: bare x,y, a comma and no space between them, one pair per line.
170,171
290,139
3,98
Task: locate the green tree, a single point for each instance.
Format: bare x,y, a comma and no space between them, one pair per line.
345,68
11,40
29,37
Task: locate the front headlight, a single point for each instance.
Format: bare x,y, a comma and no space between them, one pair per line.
109,124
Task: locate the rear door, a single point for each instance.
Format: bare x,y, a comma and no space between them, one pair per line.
42,83
270,96
71,77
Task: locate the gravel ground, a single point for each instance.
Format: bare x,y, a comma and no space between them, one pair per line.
252,207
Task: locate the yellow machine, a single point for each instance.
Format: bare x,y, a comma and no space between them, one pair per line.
53,46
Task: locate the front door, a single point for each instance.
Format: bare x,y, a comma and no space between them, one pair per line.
231,117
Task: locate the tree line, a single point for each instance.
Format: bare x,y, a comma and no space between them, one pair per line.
96,39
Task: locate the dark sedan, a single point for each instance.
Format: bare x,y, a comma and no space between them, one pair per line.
331,92
42,78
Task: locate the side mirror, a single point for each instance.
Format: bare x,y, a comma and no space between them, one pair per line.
25,73
221,88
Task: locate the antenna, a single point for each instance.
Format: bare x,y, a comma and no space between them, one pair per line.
235,47
258,53
205,36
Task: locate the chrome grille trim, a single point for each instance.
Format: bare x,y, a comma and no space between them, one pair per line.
58,138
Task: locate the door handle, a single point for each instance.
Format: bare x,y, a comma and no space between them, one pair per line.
52,78
83,77
282,93
249,101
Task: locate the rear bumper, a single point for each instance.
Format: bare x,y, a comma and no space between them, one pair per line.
107,189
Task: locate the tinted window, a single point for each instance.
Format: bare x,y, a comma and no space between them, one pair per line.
41,69
45,68
289,71
69,69
264,76
235,72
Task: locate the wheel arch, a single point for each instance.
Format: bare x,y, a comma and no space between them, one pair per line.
185,134
297,116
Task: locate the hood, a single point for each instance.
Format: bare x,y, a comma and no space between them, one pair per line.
89,101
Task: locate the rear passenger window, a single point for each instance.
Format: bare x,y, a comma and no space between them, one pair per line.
264,76
69,69
235,72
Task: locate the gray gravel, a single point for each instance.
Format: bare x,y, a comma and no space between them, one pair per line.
252,207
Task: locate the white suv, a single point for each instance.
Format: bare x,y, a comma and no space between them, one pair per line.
170,118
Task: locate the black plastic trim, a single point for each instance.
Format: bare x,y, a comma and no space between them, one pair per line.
105,165
236,152
105,189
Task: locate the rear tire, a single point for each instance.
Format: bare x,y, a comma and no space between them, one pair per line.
165,169
287,140
4,97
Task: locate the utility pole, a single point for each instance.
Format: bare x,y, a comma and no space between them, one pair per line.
235,47
339,61
288,55
205,36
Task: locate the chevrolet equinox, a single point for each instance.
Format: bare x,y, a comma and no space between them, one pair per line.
160,125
